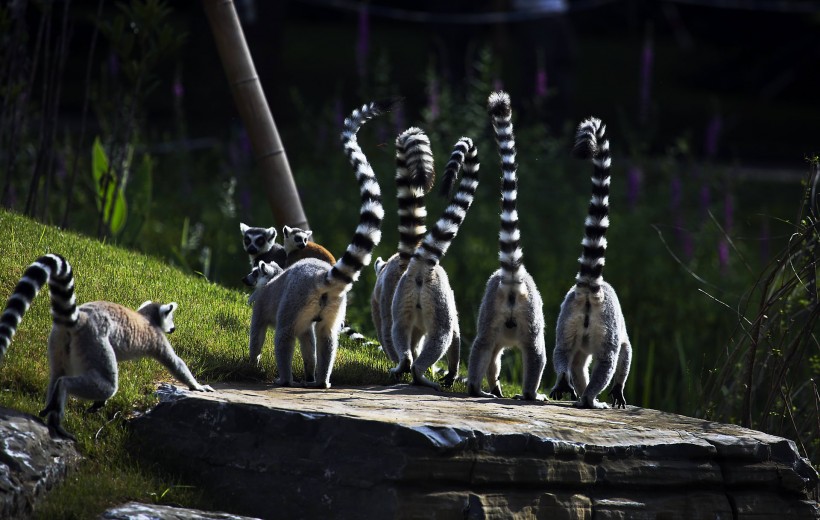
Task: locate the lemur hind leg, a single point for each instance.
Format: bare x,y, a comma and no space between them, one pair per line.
621,373
307,346
434,348
601,376
93,385
494,371
480,359
327,342
534,358
453,360
283,346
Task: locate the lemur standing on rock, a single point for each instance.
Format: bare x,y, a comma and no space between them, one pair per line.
298,246
415,175
511,311
425,319
260,244
591,323
308,300
86,342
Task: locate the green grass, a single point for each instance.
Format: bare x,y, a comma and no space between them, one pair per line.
211,336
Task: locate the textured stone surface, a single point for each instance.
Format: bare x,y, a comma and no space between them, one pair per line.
387,452
31,462
139,511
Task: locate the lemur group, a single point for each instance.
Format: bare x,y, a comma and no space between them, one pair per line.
300,290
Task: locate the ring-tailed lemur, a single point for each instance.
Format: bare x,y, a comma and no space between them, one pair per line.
308,300
591,323
298,246
425,320
264,272
260,244
415,175
511,311
86,342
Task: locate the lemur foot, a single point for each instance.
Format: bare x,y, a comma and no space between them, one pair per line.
593,403
53,423
317,384
283,382
496,390
618,399
561,387
478,392
95,407
447,380
202,388
530,397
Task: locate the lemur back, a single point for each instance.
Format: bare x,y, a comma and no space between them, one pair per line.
86,342
308,300
425,319
415,175
260,244
298,246
591,324
511,310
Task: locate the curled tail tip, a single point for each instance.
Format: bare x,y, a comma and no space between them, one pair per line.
457,158
586,138
498,104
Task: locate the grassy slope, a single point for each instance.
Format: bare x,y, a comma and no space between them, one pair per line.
211,336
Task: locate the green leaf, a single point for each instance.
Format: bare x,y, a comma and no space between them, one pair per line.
108,191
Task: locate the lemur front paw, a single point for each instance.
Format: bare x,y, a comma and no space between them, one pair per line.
530,397
447,380
202,388
618,399
561,387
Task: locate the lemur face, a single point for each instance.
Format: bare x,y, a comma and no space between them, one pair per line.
257,240
166,317
261,274
296,238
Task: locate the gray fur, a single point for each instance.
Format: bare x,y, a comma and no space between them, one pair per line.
260,244
415,174
591,326
84,351
308,300
425,319
511,310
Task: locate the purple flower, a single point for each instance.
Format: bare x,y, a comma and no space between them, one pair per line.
540,82
723,254
634,179
363,43
712,135
647,59
675,192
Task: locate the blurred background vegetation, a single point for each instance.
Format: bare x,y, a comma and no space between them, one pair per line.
117,122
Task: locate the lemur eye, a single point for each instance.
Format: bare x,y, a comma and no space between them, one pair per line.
247,240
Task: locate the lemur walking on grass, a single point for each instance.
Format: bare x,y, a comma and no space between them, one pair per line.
511,310
425,319
591,324
415,175
86,342
308,300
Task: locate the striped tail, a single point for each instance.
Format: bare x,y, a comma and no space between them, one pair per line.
415,176
591,143
510,253
347,269
53,269
438,240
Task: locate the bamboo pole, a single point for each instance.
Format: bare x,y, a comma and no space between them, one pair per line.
280,188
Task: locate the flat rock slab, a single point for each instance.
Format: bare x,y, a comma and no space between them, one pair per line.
140,511
31,462
404,451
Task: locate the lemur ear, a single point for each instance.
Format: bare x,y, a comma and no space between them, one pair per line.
243,227
309,234
287,231
271,231
265,267
144,305
167,310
